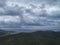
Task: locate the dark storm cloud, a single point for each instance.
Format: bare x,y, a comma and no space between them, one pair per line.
2,3
13,11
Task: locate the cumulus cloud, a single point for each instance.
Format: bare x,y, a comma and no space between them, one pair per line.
9,19
31,12
2,3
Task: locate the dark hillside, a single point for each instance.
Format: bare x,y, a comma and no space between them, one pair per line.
33,38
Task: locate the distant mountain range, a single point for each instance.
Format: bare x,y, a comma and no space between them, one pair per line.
4,32
31,38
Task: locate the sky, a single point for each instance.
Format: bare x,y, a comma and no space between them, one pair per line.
32,14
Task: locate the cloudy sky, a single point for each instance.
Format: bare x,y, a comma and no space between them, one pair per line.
39,14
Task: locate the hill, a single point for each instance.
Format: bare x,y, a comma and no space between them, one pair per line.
32,38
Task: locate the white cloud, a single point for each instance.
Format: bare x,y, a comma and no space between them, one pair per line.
30,19
10,19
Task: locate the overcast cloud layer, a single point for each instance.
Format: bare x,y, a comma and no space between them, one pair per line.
42,13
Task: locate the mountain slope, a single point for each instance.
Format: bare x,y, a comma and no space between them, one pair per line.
4,32
32,38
